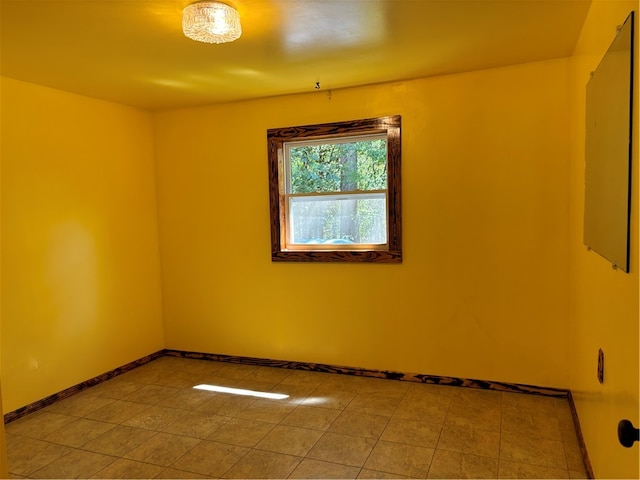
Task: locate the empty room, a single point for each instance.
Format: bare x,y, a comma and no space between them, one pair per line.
319,239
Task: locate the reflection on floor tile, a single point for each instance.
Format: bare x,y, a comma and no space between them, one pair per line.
151,423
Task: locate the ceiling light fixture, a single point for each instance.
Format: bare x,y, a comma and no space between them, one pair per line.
211,22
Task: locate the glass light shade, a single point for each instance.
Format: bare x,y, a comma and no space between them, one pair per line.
211,22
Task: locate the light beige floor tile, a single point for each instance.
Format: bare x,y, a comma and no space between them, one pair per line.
244,433
167,364
226,405
520,422
310,468
341,383
186,399
151,394
261,464
272,411
79,432
469,440
141,375
510,469
384,404
473,396
39,424
182,380
162,449
578,474
311,417
214,380
385,386
77,464
235,370
568,429
119,441
14,441
290,440
412,432
174,473
328,398
210,458
123,468
424,393
401,459
116,388
536,405
31,455
156,418
118,411
446,464
342,449
565,418
297,393
359,424
192,365
573,455
269,374
533,451
79,405
481,415
411,408
365,473
196,424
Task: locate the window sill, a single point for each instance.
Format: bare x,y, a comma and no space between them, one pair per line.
363,256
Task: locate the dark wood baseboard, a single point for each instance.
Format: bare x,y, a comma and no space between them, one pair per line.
385,374
583,447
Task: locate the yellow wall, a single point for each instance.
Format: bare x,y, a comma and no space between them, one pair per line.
4,472
80,262
604,302
482,291
4,468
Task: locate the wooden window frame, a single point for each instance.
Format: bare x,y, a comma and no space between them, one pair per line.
277,137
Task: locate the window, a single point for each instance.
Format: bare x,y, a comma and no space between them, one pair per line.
335,192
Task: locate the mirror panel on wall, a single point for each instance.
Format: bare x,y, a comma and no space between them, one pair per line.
608,151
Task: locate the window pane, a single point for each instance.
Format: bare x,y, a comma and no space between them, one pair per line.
345,219
338,166
335,192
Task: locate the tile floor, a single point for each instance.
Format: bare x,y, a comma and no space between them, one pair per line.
151,423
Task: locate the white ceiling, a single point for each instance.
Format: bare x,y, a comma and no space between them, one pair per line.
133,51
